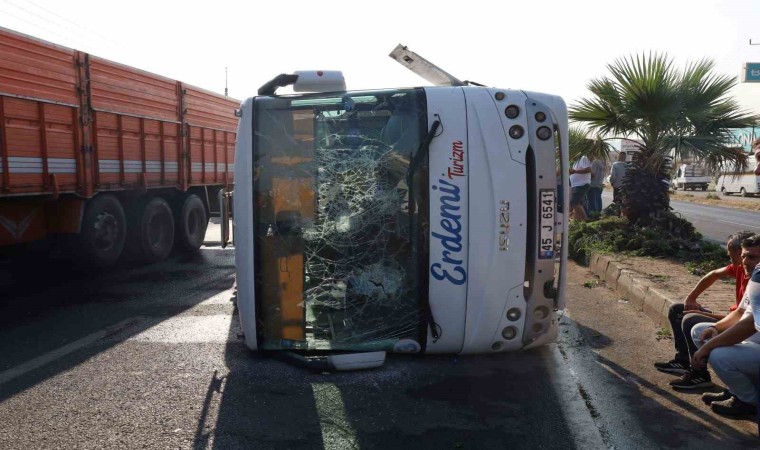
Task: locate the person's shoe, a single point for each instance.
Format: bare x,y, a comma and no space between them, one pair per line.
734,407
710,397
673,366
694,379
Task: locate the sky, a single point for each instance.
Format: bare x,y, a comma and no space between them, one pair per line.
549,46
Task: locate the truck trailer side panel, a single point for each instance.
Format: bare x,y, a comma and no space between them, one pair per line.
74,126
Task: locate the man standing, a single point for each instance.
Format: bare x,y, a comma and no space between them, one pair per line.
595,186
616,177
580,179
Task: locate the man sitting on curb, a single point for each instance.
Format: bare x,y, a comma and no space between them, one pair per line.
703,332
683,316
734,359
735,356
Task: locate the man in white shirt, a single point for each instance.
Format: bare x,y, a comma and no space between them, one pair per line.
580,181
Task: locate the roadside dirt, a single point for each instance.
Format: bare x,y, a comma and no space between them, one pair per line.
626,342
750,204
673,278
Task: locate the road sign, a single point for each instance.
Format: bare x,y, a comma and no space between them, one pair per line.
751,73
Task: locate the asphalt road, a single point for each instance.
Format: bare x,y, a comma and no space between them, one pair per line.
714,222
152,358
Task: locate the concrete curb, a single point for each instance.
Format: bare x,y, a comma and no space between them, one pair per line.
633,286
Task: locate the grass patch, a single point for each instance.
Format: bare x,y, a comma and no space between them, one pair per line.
711,196
659,278
591,284
666,236
663,333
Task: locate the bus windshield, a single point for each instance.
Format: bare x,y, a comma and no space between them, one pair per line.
337,249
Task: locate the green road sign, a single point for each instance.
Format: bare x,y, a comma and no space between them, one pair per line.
751,73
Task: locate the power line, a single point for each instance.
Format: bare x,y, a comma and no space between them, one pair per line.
76,38
73,23
35,25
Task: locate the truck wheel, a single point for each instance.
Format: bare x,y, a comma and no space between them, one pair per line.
191,223
704,187
743,192
152,233
725,192
103,233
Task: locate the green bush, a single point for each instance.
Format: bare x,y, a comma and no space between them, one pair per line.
664,236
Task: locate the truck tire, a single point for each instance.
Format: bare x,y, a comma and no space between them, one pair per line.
704,187
743,192
151,234
104,230
191,223
724,191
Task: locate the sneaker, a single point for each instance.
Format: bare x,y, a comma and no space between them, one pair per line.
673,366
734,407
694,379
710,397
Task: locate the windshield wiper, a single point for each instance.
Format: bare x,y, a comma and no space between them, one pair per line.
422,288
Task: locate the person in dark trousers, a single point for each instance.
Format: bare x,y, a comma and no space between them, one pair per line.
684,316
617,172
594,195
580,179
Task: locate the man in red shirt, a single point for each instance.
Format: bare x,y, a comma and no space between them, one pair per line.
683,316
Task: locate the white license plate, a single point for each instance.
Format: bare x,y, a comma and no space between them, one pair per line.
546,236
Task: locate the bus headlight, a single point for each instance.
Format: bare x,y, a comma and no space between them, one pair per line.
544,133
509,333
541,313
516,132
514,314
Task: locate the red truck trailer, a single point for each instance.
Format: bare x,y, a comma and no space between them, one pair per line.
106,158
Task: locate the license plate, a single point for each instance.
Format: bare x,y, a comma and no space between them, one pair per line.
546,236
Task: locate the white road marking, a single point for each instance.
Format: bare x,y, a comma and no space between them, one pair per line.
49,357
337,431
737,223
189,329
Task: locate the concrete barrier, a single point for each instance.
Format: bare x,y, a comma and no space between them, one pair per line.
632,286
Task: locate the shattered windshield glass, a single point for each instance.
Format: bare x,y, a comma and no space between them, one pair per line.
337,249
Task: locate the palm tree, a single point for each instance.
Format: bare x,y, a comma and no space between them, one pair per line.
581,143
674,113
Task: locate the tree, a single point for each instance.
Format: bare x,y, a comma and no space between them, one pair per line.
674,113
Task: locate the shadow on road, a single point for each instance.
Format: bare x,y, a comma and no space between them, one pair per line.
634,412
51,307
492,401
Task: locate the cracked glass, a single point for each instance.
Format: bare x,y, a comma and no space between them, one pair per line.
338,250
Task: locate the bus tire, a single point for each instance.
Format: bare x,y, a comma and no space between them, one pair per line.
152,230
104,230
191,223
743,192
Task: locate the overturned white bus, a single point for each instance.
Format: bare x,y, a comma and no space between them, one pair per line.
418,220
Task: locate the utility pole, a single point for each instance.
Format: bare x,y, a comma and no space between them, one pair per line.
225,79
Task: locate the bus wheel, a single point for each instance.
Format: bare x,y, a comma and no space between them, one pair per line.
743,192
152,233
191,223
104,227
